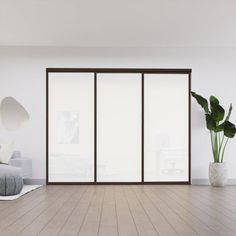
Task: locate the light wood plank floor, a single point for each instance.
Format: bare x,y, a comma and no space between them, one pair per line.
122,210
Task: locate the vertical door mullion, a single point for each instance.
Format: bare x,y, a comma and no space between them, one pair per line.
189,128
95,127
142,128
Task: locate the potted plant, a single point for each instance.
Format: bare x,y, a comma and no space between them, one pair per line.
221,130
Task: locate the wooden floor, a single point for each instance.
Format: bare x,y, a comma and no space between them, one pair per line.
122,210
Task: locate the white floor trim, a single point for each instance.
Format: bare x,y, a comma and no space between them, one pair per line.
206,182
26,189
194,181
35,181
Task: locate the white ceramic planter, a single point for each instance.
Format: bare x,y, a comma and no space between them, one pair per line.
218,174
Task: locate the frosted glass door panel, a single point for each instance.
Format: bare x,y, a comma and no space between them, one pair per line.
118,127
166,127
71,127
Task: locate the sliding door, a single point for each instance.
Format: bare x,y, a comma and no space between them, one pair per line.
118,127
166,127
71,127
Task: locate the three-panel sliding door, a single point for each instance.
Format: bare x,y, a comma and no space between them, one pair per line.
118,125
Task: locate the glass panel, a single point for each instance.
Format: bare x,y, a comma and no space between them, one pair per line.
119,127
71,127
166,127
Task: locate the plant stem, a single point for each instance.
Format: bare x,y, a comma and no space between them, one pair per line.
219,141
222,141
216,148
212,146
222,156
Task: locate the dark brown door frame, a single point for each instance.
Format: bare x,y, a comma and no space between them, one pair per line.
142,71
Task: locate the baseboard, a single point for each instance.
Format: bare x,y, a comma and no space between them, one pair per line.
194,181
200,182
206,182
35,181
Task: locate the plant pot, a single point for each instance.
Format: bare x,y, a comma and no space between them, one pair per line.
218,174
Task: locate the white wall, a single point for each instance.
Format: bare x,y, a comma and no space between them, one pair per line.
22,75
123,23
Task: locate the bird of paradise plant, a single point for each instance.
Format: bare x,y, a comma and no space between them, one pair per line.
221,130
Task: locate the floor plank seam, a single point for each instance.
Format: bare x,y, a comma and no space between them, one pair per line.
77,203
203,222
177,214
28,213
205,212
161,213
131,212
102,209
23,213
41,212
85,214
64,202
145,211
117,222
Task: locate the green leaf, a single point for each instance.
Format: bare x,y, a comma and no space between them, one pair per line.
210,122
229,112
202,101
217,111
229,129
220,127
214,100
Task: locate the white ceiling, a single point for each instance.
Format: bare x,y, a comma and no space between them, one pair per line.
118,23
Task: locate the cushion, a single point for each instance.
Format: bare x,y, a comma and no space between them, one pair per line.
6,170
6,151
11,181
